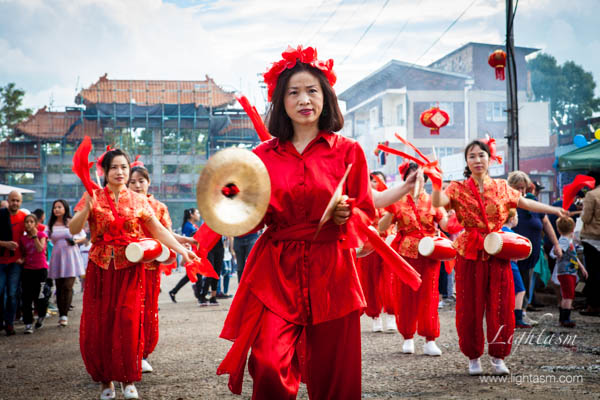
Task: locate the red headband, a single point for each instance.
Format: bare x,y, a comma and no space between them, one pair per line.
137,162
99,161
290,57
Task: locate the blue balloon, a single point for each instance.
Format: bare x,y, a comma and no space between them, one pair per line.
580,141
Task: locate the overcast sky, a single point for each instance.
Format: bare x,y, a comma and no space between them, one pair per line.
51,47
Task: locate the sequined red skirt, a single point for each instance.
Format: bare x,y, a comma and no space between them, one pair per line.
111,337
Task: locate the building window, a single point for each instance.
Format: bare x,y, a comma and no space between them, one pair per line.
448,107
443,151
373,118
400,114
494,111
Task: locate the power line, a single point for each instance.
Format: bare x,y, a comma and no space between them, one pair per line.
309,19
398,34
446,31
326,21
366,31
332,39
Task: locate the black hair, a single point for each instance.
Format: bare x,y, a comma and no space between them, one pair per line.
53,218
140,170
107,160
482,145
412,166
381,174
39,213
187,214
280,124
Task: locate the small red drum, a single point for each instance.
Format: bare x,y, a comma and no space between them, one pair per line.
507,246
172,258
164,254
144,250
437,248
367,248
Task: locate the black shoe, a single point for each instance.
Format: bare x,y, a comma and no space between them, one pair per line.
10,330
223,296
172,296
213,301
202,301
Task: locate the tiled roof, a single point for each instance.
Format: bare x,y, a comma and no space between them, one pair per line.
243,123
19,156
55,125
146,92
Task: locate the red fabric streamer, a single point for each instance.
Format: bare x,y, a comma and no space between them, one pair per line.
409,144
202,267
399,266
207,239
571,190
491,142
81,166
290,57
453,225
381,186
434,175
137,162
399,153
259,125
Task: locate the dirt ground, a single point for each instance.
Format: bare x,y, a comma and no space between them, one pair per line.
546,362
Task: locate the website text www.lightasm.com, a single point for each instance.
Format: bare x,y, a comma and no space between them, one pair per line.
519,379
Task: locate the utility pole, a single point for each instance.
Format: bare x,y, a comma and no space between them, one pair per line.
512,109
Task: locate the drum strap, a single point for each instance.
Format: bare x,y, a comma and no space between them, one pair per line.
473,187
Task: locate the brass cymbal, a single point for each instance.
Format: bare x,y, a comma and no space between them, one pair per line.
233,191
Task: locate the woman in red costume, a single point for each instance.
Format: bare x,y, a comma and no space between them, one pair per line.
484,284
417,311
377,282
139,183
111,335
299,301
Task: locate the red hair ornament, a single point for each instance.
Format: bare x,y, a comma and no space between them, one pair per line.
290,57
491,143
137,162
99,169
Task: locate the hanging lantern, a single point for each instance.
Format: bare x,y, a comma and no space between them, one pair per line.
497,60
381,154
434,119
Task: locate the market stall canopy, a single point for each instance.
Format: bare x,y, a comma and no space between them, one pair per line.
582,159
5,189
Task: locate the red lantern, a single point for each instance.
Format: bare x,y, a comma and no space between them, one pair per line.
497,60
434,119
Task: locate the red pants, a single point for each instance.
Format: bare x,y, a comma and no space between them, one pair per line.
152,290
418,311
484,287
370,270
332,359
567,286
111,338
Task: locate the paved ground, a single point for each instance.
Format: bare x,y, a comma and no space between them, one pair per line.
549,362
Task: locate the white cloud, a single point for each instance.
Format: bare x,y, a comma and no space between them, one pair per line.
46,46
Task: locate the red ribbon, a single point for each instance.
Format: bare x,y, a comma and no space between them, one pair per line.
81,166
259,125
491,143
571,190
137,163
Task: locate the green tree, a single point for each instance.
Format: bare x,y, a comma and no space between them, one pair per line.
11,108
568,88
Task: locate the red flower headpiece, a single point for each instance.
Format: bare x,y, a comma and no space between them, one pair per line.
99,160
403,167
290,57
491,142
137,162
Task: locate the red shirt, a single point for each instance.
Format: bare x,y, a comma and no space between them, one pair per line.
18,227
497,199
413,227
136,210
301,280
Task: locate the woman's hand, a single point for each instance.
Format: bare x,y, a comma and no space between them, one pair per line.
90,201
341,214
557,250
561,212
190,256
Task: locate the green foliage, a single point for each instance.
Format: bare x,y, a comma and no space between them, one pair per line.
568,88
11,108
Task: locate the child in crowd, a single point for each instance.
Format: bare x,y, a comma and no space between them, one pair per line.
567,269
511,221
35,272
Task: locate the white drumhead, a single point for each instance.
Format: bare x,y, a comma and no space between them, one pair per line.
134,252
426,246
389,239
493,243
164,254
